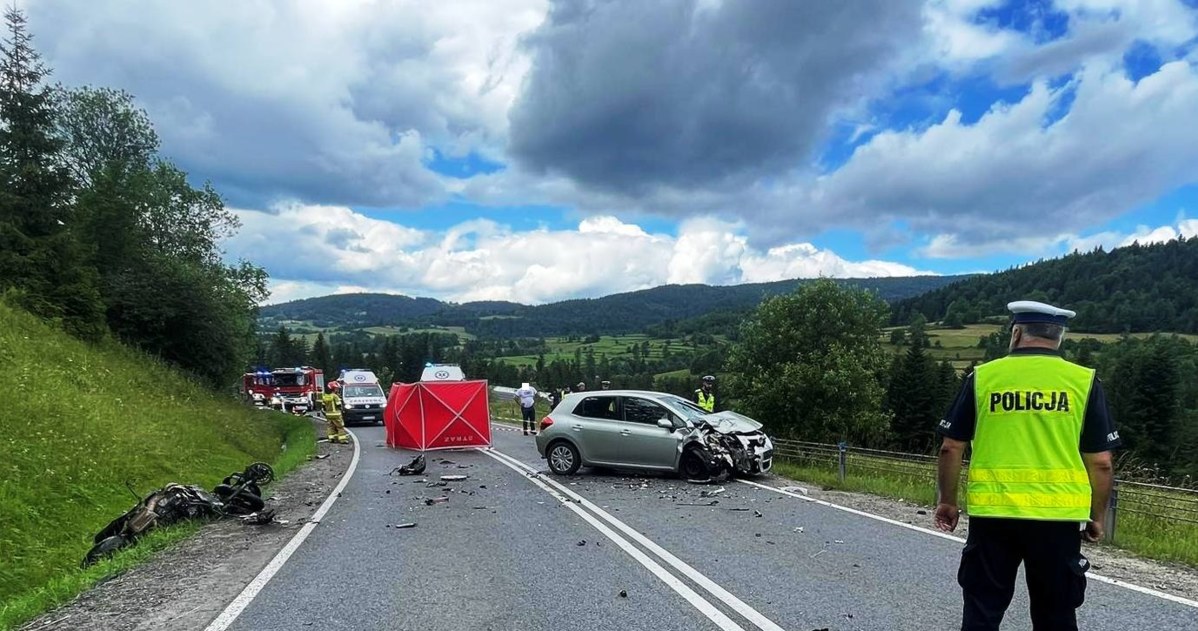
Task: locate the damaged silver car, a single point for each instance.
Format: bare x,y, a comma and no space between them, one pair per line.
634,429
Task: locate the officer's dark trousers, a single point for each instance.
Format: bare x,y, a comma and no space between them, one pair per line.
1053,564
530,418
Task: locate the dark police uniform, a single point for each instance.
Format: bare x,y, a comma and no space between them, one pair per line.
1050,549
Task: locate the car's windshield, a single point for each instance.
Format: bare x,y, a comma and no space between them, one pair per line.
363,391
686,409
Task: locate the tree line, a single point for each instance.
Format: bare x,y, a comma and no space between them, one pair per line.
102,234
811,366
1138,288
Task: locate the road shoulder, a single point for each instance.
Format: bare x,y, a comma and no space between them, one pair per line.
185,587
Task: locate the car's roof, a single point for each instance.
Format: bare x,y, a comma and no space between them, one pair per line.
609,393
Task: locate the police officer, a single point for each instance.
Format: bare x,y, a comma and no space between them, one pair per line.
1040,474
704,396
605,385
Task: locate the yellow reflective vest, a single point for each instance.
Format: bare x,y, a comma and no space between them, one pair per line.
705,400
1026,463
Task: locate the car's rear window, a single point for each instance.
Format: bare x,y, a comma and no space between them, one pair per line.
598,407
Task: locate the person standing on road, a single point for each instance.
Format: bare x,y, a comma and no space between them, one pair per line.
704,396
555,397
1040,474
331,403
526,396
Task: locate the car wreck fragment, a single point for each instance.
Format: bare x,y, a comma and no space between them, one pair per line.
724,445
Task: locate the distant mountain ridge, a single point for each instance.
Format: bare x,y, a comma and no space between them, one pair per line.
617,313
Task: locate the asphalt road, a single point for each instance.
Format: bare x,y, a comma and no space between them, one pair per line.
504,552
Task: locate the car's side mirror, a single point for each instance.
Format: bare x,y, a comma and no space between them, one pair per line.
665,423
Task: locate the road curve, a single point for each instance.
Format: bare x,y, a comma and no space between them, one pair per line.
505,552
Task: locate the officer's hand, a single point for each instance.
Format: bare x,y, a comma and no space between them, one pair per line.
1093,532
947,516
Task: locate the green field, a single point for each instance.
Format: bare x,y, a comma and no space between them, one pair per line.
611,346
86,420
306,330
960,346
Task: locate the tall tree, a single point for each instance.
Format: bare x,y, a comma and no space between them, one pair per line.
40,253
810,364
914,394
322,358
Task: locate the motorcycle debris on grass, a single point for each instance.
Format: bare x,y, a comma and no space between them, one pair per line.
239,494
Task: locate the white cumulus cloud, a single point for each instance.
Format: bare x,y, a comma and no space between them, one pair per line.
314,250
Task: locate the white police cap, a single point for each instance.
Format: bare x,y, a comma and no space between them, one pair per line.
1028,311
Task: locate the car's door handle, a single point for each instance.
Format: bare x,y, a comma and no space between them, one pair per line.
578,427
625,432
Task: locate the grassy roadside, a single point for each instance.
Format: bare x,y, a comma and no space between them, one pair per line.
1144,535
81,421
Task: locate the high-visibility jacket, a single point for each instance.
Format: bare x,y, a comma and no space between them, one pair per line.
331,404
705,400
1026,463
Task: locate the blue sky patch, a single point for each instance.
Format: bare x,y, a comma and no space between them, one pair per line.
464,167
1038,18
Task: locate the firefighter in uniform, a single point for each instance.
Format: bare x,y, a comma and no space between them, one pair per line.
1040,474
332,414
704,397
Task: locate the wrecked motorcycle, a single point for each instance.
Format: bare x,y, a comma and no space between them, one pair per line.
238,494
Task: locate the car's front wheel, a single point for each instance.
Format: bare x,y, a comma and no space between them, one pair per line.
564,458
692,466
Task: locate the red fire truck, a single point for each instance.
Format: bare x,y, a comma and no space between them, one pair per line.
293,390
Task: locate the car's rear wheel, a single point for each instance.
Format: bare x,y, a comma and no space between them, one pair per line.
563,457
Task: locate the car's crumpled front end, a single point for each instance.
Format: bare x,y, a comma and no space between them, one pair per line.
730,444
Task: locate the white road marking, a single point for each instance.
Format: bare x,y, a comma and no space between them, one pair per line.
736,604
700,603
1098,577
248,594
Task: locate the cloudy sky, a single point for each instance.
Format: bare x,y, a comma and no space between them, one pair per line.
537,150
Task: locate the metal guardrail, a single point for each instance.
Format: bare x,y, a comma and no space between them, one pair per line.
1155,501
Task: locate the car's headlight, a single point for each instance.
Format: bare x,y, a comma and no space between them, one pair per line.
349,407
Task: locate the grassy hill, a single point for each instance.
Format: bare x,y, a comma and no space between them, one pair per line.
80,421
630,312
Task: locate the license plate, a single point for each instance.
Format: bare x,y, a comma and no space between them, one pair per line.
367,418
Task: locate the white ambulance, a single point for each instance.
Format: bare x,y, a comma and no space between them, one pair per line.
362,397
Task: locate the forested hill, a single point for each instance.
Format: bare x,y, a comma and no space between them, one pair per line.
618,313
1138,288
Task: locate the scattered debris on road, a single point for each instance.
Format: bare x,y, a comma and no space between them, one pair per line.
436,500
712,493
711,503
581,542
757,513
323,456
795,489
453,478
410,524
415,467
623,593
